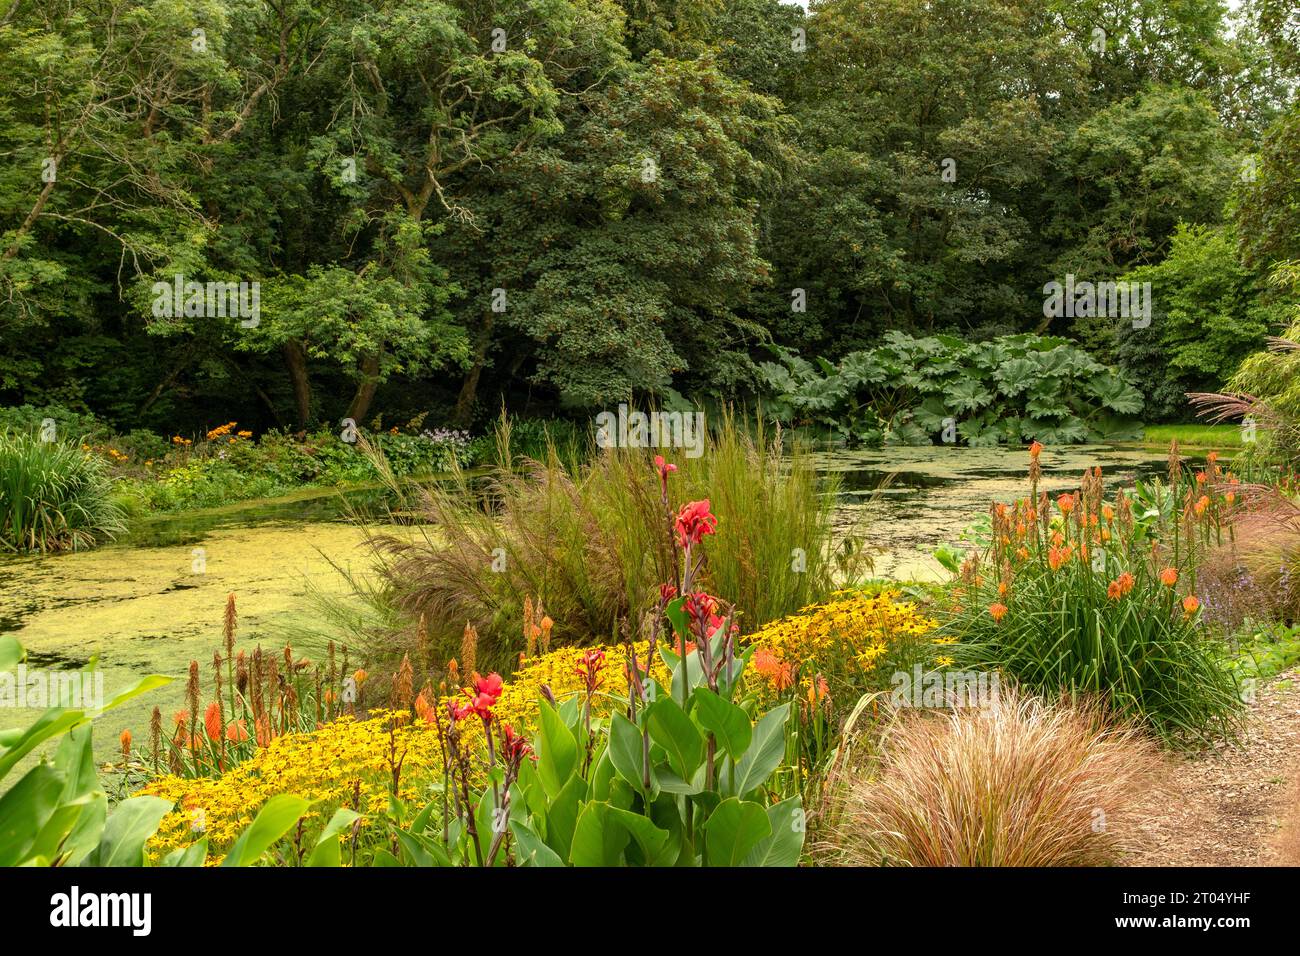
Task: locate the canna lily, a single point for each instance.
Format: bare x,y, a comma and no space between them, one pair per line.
665,468
694,521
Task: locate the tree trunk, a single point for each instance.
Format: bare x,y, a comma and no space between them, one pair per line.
462,416
295,360
365,393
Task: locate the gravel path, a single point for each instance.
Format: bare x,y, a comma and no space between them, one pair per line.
1239,806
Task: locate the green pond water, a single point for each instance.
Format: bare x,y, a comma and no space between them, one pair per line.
153,601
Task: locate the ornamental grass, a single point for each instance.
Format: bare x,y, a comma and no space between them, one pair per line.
587,540
1023,783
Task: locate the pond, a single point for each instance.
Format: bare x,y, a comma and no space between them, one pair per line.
153,601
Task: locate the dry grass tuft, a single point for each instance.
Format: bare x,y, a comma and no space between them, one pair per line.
1022,783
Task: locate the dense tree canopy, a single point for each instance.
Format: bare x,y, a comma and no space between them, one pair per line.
445,204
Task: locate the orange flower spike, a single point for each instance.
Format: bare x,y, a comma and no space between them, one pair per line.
212,721
1035,450
1125,582
1169,577
1190,604
998,611
1065,503
125,741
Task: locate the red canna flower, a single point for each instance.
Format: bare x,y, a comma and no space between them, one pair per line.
694,521
589,667
515,746
665,468
490,686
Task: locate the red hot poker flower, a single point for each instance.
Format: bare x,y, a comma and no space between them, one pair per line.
694,521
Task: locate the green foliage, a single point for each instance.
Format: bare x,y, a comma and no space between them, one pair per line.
681,783
53,496
1208,315
1006,391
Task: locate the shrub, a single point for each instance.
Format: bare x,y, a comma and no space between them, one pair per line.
587,541
1020,784
1084,596
1005,391
53,497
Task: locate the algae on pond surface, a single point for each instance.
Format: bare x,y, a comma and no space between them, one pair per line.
150,610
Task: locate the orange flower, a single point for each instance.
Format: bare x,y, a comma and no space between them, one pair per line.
212,721
237,731
1190,604
1125,582
125,740
1035,450
1201,504
1022,553
1055,558
359,677
773,668
998,611
1114,591
1065,503
1169,577
1230,497
1002,589
1212,457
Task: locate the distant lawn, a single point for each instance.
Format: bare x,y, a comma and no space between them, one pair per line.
1225,438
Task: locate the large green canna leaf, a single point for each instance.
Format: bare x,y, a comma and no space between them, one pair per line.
676,733
557,750
783,846
276,818
765,753
129,827
729,724
733,829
